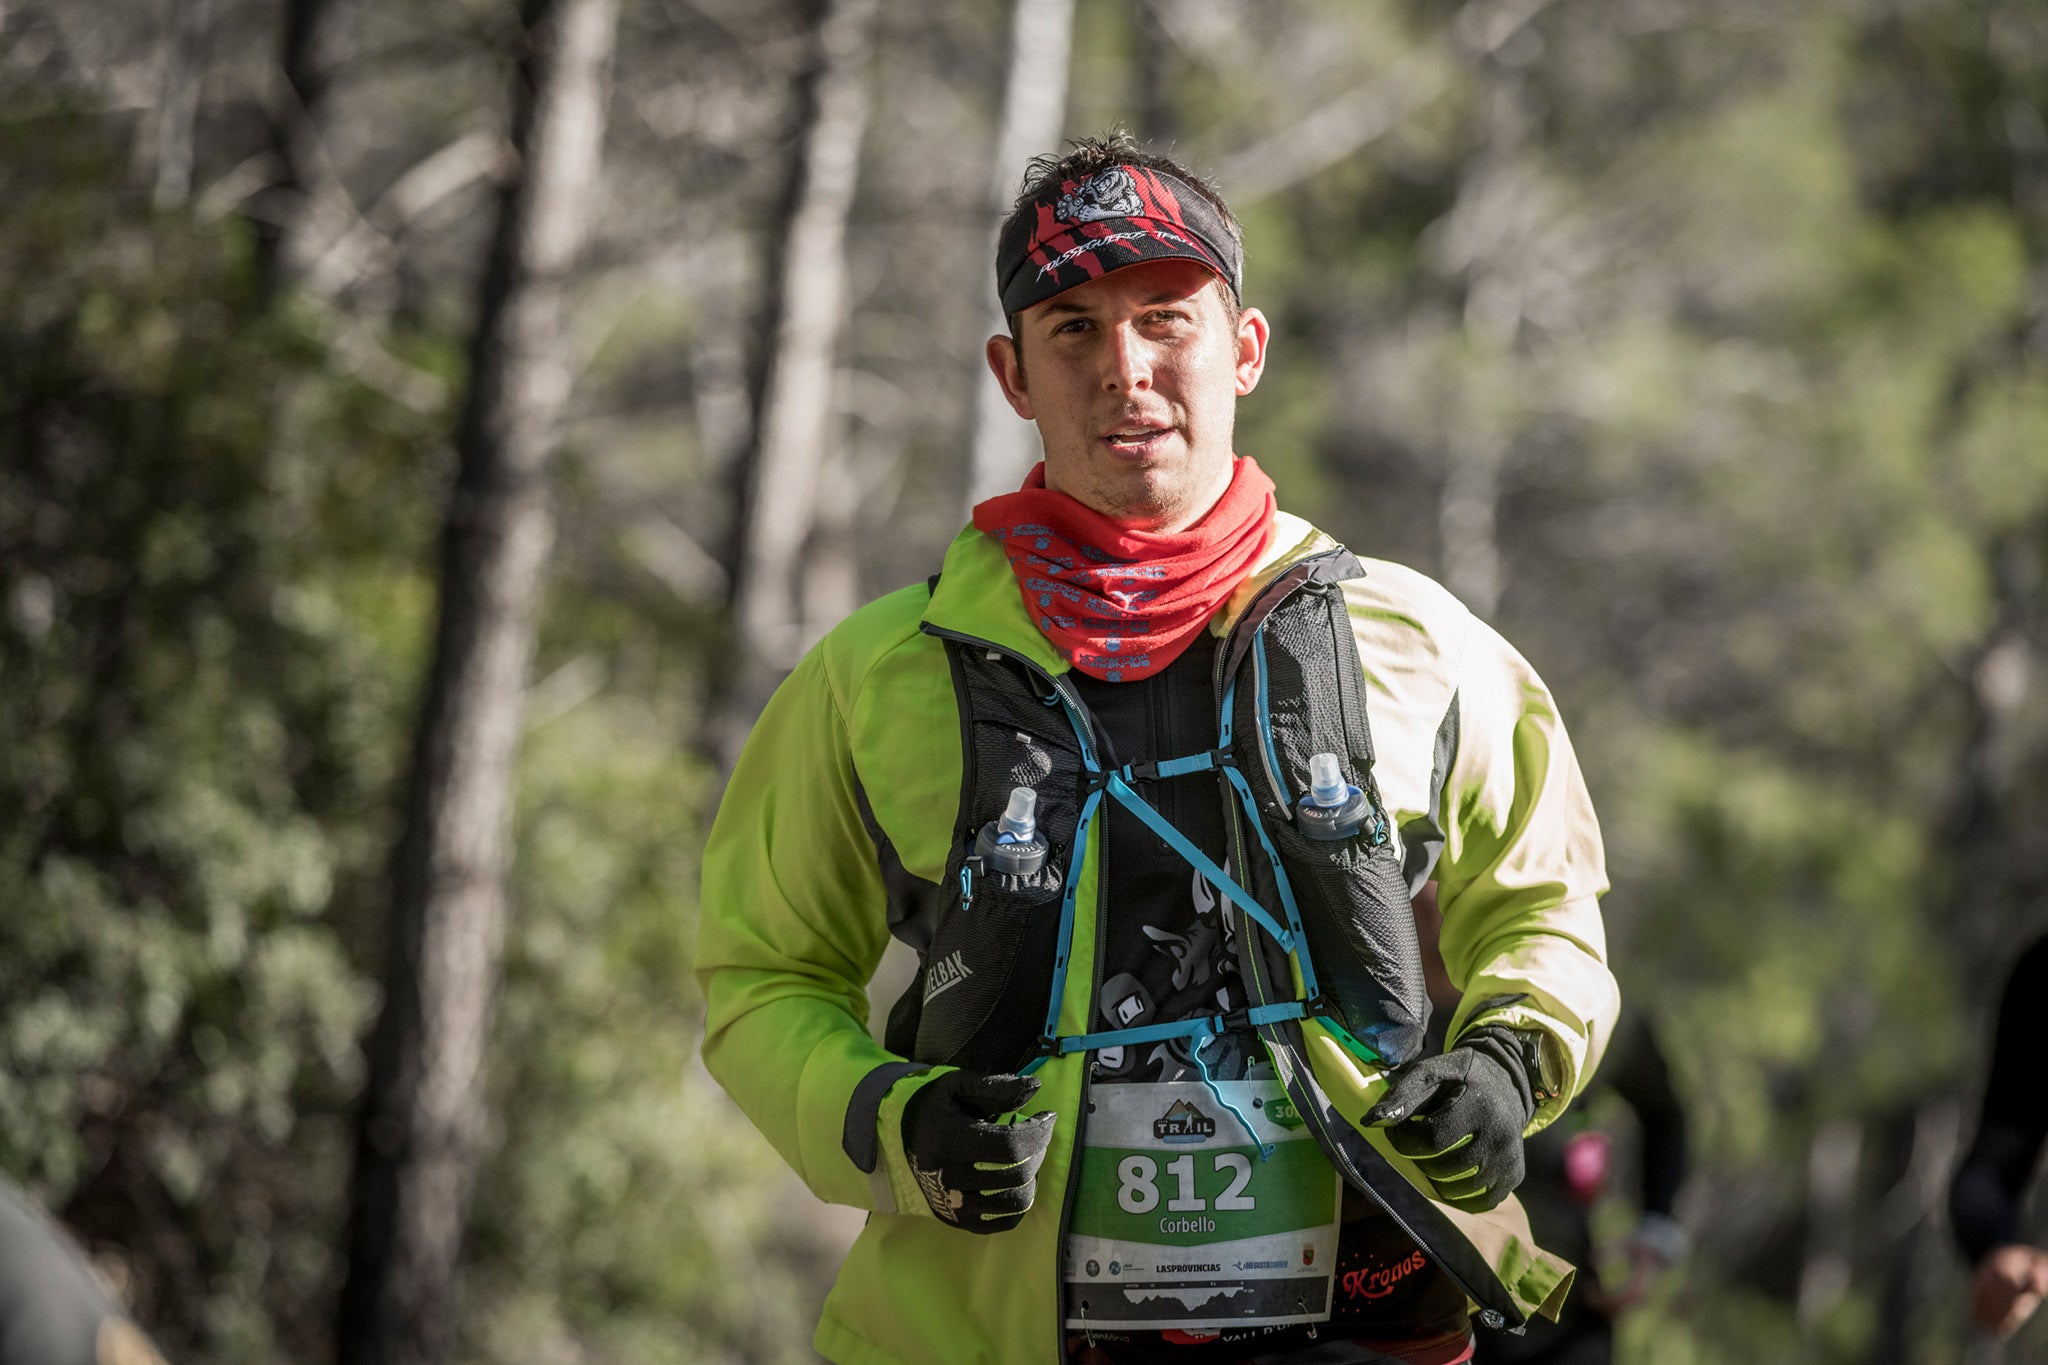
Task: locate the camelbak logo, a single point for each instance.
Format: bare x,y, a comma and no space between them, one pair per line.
948,972
1106,194
1183,1123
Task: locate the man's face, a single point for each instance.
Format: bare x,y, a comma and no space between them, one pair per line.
1133,379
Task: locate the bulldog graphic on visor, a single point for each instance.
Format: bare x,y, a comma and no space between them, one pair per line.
1106,194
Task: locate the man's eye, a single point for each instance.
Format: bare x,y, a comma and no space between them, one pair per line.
1071,325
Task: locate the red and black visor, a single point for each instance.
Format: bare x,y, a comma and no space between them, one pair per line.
1121,215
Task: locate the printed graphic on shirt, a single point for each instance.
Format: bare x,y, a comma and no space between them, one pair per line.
1189,968
1179,1223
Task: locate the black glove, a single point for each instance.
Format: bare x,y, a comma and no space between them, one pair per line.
1460,1115
976,1174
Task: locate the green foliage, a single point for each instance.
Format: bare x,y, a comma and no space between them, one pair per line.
625,1210
196,746
1803,980
1725,1323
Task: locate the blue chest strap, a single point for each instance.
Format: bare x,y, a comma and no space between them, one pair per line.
1290,937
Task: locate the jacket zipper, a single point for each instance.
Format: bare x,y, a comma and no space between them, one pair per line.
1084,727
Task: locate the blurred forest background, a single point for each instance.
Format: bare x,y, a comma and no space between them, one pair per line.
1701,345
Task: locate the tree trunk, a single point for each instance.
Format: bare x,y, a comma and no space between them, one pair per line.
1034,113
176,118
1917,1252
829,589
312,50
793,422
418,1143
1834,1162
1158,120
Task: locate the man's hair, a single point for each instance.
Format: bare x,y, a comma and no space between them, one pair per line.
1086,156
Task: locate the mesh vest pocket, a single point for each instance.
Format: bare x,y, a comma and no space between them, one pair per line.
1354,908
980,996
987,975
1352,895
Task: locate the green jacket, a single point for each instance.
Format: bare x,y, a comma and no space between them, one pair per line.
849,788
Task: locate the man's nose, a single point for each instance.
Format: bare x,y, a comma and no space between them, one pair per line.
1127,364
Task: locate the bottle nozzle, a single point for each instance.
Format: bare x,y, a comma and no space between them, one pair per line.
1333,808
1010,845
1020,819
1326,785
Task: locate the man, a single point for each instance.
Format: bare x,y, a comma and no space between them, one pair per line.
1984,1199
1145,775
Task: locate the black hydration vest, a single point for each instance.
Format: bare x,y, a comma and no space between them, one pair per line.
1288,685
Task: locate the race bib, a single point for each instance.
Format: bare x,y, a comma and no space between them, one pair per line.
1178,1223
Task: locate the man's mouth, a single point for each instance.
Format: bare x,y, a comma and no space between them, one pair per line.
1135,439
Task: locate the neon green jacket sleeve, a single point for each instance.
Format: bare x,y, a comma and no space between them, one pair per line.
1478,772
793,926
1523,869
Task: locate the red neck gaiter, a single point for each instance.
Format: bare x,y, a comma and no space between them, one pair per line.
1117,603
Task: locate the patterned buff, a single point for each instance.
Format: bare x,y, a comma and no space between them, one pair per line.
1121,604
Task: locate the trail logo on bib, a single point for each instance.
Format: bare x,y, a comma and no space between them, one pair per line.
1183,1123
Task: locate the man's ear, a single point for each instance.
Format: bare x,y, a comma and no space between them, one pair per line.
1253,331
1009,372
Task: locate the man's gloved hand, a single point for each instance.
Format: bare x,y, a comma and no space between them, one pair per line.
1459,1116
976,1173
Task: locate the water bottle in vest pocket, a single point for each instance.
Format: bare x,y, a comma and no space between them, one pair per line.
1301,702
